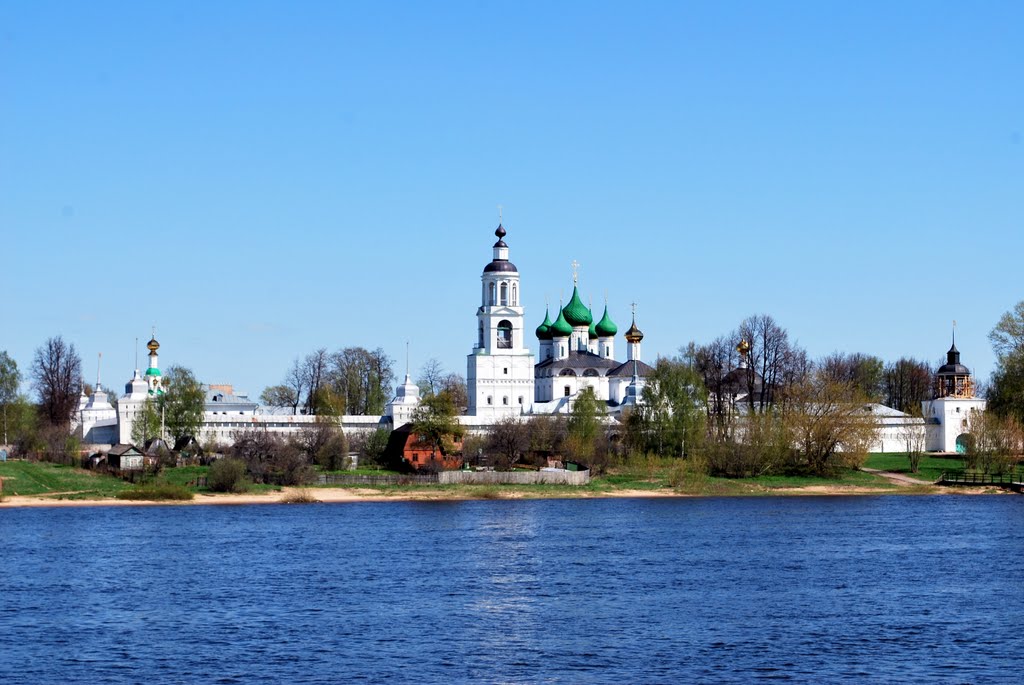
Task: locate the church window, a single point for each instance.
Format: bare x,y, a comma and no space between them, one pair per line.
504,400
504,334
520,399
590,372
515,295
505,370
504,293
480,342
491,300
490,400
567,391
567,372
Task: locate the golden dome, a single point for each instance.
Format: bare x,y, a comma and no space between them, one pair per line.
152,345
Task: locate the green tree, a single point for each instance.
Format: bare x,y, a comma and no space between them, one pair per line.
182,403
1007,337
146,424
10,380
279,396
1006,389
436,420
671,417
371,447
584,429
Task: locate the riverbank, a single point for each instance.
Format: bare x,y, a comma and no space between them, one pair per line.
33,484
466,493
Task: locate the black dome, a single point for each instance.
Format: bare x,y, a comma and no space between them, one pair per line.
501,265
954,370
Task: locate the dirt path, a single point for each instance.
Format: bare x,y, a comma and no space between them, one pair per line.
897,478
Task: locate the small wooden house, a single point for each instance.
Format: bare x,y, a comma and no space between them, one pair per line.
125,458
416,451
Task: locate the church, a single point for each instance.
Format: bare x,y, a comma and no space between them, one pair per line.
576,352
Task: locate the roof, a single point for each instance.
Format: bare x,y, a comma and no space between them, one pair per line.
579,360
122,449
606,327
501,265
544,330
577,313
626,369
561,328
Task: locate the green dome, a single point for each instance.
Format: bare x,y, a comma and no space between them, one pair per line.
606,328
561,328
576,313
593,330
152,372
544,330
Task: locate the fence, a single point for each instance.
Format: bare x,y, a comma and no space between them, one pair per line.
514,477
975,478
355,479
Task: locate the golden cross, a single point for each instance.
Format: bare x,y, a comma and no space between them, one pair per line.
499,214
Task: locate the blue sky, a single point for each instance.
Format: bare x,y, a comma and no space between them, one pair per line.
262,179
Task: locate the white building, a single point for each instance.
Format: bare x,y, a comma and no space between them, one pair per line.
499,371
947,415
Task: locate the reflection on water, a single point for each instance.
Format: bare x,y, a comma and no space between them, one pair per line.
921,589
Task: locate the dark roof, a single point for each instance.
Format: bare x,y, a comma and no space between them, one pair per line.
579,360
122,449
954,370
626,369
501,265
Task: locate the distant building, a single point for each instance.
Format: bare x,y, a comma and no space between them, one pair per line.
125,458
947,414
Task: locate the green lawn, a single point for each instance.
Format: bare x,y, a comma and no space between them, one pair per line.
930,469
38,478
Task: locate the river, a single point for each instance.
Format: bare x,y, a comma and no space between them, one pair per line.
794,589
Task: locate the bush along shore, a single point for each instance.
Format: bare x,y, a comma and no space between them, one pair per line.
40,483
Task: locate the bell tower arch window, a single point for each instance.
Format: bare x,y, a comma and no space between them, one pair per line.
504,334
491,300
515,295
504,294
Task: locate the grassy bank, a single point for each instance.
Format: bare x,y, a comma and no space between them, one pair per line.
641,475
38,478
930,468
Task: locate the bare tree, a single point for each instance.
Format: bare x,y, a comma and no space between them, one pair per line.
863,371
827,423
279,396
296,382
431,375
454,385
774,362
906,383
508,440
314,373
57,377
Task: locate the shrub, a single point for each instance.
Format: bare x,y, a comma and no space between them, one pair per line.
299,496
163,491
688,474
227,475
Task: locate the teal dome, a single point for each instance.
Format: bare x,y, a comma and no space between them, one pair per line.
606,328
544,330
577,313
561,328
593,331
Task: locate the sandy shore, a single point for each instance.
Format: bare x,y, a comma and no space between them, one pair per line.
342,495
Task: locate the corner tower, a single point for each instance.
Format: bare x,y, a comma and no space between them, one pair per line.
499,372
948,414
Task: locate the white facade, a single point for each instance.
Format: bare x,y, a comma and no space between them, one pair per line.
499,372
947,421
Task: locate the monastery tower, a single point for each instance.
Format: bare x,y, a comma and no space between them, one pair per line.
499,372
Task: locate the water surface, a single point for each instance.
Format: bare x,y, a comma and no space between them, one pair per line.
809,589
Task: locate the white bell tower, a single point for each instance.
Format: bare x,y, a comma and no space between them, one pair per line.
499,372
